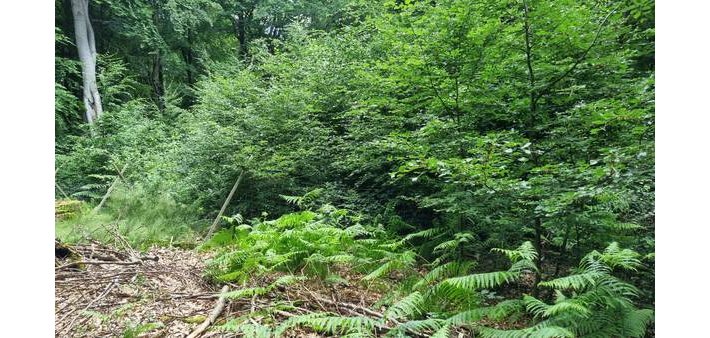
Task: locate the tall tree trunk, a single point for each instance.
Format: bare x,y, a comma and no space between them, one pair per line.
191,69
86,46
241,22
157,79
156,73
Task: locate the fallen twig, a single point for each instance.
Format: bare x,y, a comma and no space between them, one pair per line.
102,295
96,263
213,316
350,306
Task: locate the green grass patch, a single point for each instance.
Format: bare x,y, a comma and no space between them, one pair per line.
141,221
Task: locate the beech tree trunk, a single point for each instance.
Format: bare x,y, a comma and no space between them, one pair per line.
86,46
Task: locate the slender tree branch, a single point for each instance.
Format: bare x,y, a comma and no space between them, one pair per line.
528,46
531,72
579,59
431,82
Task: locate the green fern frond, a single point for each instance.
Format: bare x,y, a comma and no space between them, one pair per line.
635,323
102,177
535,306
611,285
313,194
533,332
256,331
247,329
94,186
294,219
522,266
341,258
422,326
258,291
592,263
575,282
89,194
357,230
451,295
337,325
236,219
428,233
525,251
486,280
297,200
297,321
399,261
552,332
622,226
468,317
459,239
230,277
301,201
358,335
451,269
447,245
443,332
382,270
246,293
506,309
286,280
408,306
614,257
567,307
559,296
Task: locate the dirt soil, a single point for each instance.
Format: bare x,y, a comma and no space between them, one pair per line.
102,291
120,294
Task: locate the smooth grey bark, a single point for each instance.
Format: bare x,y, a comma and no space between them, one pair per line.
86,47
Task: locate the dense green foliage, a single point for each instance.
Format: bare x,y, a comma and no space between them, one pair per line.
417,133
307,242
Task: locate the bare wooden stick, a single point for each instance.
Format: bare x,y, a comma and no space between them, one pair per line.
102,295
57,184
350,306
123,241
215,224
213,316
61,190
110,189
96,263
120,172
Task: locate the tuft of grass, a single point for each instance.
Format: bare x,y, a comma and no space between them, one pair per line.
141,221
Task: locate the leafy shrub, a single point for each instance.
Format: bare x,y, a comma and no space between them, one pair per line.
306,241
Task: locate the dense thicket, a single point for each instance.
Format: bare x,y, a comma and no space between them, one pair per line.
464,125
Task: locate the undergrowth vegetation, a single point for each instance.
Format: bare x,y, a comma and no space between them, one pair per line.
141,221
589,302
407,145
306,242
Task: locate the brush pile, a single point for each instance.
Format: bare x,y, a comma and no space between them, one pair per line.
102,291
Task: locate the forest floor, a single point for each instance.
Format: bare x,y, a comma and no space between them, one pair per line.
114,291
